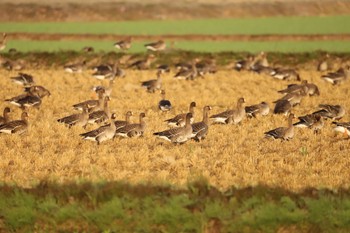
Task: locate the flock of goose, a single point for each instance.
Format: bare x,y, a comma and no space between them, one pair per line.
181,127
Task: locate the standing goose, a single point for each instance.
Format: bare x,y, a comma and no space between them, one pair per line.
282,107
102,133
107,90
178,135
337,77
92,104
79,119
153,84
100,116
244,64
180,120
334,112
200,129
263,109
5,118
108,72
23,79
160,45
26,100
133,130
17,126
3,42
40,91
311,121
123,44
120,124
231,116
342,127
284,133
75,68
164,104
294,98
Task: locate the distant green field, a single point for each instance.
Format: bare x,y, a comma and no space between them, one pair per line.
253,26
196,46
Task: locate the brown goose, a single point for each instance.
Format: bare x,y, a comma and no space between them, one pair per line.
23,79
133,130
26,100
40,91
119,124
153,84
3,42
334,112
92,104
244,64
231,116
164,104
311,90
285,74
188,74
342,127
324,65
88,49
100,116
295,97
75,68
337,77
284,133
123,44
143,64
79,119
282,107
103,72
107,90
258,109
5,118
200,129
17,126
178,135
312,121
180,120
102,133
160,45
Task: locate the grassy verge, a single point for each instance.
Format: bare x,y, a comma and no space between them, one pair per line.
119,207
195,46
249,26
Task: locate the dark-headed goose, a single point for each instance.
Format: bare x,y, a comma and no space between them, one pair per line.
164,104
178,135
17,126
234,116
133,130
285,133
180,120
200,129
258,109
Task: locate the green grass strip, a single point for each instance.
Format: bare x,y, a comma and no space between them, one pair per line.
248,26
196,46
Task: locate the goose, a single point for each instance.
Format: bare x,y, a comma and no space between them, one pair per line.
294,98
334,112
25,100
231,116
17,126
92,104
260,60
244,64
75,68
102,133
153,84
337,77
14,65
143,64
157,46
107,90
23,79
133,130
323,65
263,109
284,133
123,44
5,118
312,121
200,129
88,49
103,72
188,74
178,135
3,42
282,107
311,89
285,74
164,104
120,123
163,68
206,67
40,91
180,119
79,119
100,116
342,127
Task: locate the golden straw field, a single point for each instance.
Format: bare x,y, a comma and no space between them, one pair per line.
237,155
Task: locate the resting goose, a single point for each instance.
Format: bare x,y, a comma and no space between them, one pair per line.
3,42
23,79
178,135
200,129
180,119
102,133
40,91
188,74
244,64
100,116
107,90
160,45
79,119
312,121
17,126
103,72
26,100
123,44
258,109
153,84
337,77
334,112
92,104
164,68
285,74
143,64
284,133
164,104
133,130
282,107
5,118
231,116
75,68
294,98
342,127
